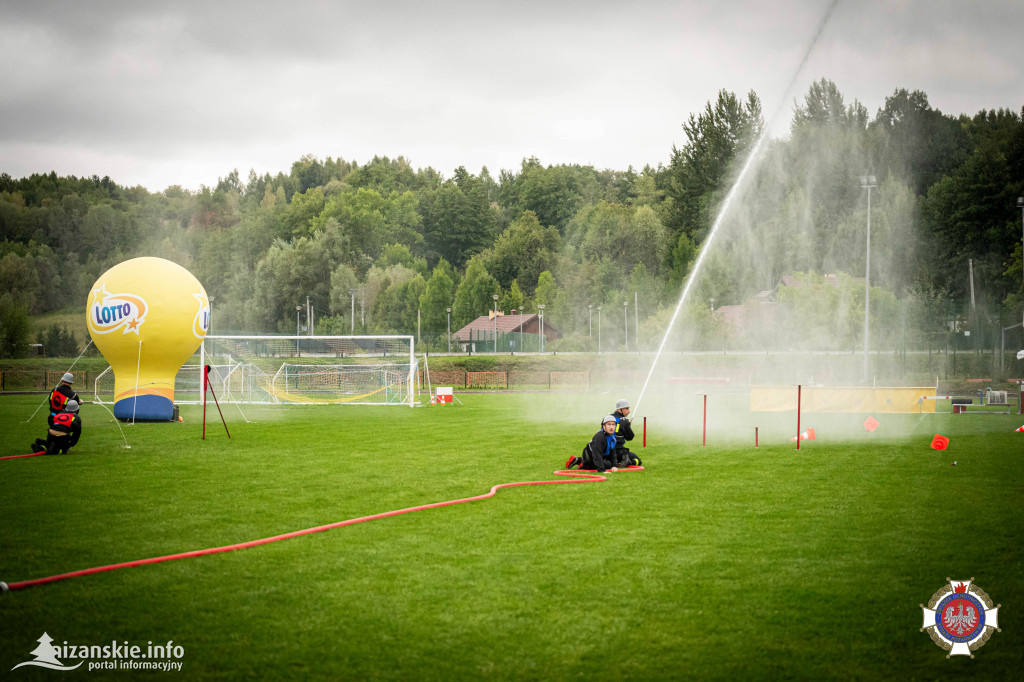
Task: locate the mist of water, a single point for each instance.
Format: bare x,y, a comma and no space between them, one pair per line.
727,203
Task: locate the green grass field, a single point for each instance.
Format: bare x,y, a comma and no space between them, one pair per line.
723,562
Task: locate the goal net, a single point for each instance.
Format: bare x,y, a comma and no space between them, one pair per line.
297,370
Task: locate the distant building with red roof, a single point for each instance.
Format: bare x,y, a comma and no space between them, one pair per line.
481,330
763,309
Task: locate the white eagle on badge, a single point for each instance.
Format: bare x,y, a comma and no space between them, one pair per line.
960,622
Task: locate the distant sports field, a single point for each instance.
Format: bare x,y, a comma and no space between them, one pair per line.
724,562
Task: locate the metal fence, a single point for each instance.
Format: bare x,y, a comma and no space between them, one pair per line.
510,380
35,380
484,341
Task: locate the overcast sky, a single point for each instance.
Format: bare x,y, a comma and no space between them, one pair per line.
165,93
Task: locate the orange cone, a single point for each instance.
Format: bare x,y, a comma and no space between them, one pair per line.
1020,430
939,442
806,435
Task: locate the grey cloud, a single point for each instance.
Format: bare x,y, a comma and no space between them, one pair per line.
450,83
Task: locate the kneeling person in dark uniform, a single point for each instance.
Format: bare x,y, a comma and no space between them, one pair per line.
623,432
601,453
60,396
64,432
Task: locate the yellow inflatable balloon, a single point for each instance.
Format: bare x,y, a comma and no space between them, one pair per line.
147,316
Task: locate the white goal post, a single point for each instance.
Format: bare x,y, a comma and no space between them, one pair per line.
297,370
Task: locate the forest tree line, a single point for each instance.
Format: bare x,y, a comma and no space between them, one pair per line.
411,243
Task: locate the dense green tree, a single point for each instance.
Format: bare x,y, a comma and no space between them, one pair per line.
546,288
700,170
399,254
367,221
523,251
395,310
64,222
436,299
308,173
384,176
554,194
104,230
57,341
289,273
916,141
969,213
473,296
304,210
15,327
343,282
512,299
216,209
628,235
457,220
19,280
377,281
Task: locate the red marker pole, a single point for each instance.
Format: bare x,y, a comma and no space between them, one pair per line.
755,436
798,416
704,437
645,432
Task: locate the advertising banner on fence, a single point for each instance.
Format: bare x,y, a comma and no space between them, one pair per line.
842,399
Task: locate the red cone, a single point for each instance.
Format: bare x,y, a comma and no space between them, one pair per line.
870,424
939,442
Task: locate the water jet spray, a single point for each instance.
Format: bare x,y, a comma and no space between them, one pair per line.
729,198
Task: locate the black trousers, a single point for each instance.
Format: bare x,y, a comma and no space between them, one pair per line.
624,457
53,444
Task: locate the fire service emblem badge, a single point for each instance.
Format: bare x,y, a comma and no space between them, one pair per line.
960,618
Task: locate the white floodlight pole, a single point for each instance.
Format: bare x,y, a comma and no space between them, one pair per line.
540,307
598,330
298,311
495,297
636,321
590,318
449,312
867,182
352,293
625,324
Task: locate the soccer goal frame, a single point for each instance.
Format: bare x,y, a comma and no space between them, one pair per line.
295,370
353,370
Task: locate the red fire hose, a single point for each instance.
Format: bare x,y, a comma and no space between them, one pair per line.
31,454
576,477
